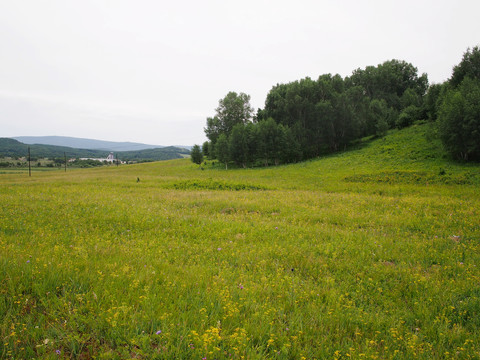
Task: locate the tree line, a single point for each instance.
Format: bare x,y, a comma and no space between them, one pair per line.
454,108
306,118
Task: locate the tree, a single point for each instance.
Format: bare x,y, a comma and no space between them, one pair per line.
431,102
232,109
221,150
379,114
213,129
292,151
271,141
196,154
206,149
459,120
389,81
468,67
408,116
238,145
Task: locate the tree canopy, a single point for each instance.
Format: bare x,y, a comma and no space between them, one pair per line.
196,155
233,109
468,67
459,109
306,118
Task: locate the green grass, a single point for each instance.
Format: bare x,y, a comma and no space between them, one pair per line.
372,253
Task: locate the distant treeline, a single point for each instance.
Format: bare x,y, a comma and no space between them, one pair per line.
15,149
307,118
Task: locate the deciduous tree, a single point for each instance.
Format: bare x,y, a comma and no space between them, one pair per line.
196,155
232,109
221,150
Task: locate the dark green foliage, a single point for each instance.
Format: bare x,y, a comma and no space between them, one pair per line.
321,114
209,184
238,145
327,114
165,153
233,109
196,155
222,150
87,163
206,149
457,108
307,118
408,116
391,81
431,101
468,67
378,111
459,120
271,140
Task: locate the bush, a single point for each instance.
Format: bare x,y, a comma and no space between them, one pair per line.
408,116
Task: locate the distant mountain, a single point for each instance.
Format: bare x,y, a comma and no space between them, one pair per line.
81,143
14,148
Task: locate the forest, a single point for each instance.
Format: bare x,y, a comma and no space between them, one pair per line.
308,118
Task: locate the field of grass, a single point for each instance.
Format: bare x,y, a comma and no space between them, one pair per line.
367,254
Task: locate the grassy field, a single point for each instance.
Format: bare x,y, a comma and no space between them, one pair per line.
367,254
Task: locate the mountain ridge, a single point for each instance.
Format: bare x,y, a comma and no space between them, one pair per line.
10,147
90,144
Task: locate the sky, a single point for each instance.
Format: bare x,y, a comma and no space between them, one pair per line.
152,71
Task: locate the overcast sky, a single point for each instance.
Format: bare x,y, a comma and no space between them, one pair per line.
153,71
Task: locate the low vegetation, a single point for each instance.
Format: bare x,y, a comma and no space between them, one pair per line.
366,254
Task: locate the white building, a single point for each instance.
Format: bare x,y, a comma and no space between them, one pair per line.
110,158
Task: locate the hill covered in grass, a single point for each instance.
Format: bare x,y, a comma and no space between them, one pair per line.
371,253
407,156
14,148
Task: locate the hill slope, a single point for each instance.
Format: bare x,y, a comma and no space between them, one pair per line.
406,156
14,148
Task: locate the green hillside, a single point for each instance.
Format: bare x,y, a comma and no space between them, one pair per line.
13,148
371,253
164,153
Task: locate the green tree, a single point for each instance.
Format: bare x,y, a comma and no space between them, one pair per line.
468,67
238,145
408,116
221,150
196,154
232,109
459,120
292,151
389,81
272,141
206,149
379,114
431,102
213,129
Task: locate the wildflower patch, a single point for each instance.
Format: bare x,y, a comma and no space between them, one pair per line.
209,184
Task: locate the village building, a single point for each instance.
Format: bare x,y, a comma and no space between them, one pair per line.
109,159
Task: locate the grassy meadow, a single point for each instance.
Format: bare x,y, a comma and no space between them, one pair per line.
372,253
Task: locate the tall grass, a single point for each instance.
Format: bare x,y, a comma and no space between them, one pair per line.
367,254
